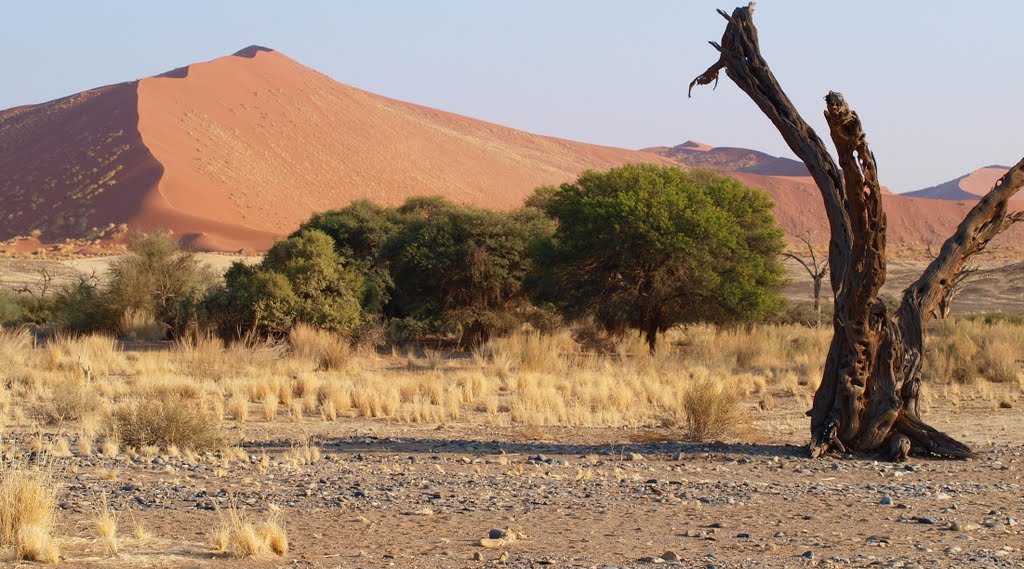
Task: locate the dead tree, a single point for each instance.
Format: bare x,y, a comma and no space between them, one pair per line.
868,398
967,274
816,268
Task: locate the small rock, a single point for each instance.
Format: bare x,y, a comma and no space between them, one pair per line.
963,526
477,556
808,554
490,543
669,556
635,457
497,534
885,501
504,556
927,521
743,535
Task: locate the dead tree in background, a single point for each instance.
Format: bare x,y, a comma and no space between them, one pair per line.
868,398
817,269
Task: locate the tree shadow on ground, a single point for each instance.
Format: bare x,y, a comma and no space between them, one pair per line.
371,444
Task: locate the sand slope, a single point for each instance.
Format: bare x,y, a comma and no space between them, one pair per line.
232,152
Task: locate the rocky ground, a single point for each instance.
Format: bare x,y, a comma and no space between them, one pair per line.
391,495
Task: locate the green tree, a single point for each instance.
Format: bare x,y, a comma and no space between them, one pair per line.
360,232
460,269
648,247
301,279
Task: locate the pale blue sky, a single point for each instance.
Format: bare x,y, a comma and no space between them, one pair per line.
937,84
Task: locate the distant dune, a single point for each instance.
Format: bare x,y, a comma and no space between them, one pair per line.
235,152
970,186
914,219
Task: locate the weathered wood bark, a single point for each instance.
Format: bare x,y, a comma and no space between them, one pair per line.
868,397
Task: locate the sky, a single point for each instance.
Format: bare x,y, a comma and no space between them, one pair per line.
936,84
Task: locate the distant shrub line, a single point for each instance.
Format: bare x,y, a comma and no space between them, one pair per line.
638,247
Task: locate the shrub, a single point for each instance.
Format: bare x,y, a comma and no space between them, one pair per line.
460,270
360,232
301,279
10,312
159,280
174,422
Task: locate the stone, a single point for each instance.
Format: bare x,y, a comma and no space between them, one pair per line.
964,526
497,534
669,556
490,543
885,501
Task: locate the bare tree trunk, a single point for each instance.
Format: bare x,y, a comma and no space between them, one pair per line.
868,397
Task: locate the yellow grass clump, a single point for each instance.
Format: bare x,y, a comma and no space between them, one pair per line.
28,503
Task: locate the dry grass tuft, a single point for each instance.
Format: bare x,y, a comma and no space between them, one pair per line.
28,504
712,407
105,524
178,422
326,349
243,540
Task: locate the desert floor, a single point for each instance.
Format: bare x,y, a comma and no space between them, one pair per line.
385,493
400,495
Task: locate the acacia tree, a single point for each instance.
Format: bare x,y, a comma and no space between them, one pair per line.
868,397
648,247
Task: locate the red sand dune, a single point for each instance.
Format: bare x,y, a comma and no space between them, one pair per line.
231,153
970,186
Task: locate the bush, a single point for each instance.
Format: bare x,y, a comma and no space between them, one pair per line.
159,280
10,312
648,247
174,422
301,279
360,232
459,270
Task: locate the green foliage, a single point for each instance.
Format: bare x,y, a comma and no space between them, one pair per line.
459,269
160,280
301,279
648,247
10,312
82,308
360,232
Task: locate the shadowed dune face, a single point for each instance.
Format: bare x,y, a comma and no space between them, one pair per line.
74,164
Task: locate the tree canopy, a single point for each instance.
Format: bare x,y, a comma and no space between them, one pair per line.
648,247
